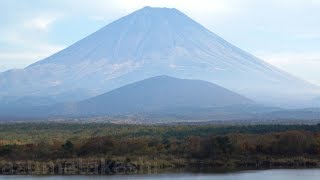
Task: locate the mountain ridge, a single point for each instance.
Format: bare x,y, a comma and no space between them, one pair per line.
155,94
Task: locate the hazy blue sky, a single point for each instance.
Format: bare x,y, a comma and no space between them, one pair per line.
285,33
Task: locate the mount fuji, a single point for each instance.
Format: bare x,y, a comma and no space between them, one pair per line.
147,43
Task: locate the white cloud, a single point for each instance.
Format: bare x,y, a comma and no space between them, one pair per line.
203,10
40,23
310,35
25,41
305,65
26,32
201,6
2,68
317,2
41,49
286,58
97,18
23,58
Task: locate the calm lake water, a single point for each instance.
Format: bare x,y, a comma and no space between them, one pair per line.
306,174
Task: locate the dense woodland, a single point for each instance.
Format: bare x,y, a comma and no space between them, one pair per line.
259,146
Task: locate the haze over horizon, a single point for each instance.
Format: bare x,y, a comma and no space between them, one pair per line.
287,38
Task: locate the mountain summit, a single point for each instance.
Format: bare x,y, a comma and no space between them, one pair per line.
147,43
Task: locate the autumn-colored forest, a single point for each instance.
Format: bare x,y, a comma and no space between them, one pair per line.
259,146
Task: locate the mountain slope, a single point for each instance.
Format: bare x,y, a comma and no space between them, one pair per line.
148,43
155,94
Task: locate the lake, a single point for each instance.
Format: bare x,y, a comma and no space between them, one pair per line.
279,174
